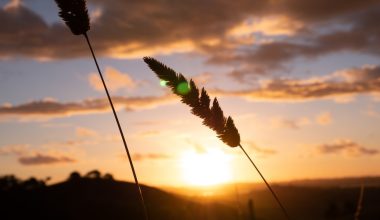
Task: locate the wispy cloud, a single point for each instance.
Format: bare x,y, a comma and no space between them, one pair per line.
85,132
115,79
132,35
150,133
162,31
41,159
16,149
372,112
47,109
28,156
263,152
343,83
280,122
150,156
268,25
349,82
346,147
12,4
360,35
324,118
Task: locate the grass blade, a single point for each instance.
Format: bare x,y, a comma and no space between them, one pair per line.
75,15
200,106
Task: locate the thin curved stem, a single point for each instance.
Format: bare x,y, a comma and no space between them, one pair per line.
120,130
360,203
267,184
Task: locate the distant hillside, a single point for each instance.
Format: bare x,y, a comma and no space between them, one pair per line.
87,198
94,196
338,182
305,200
244,188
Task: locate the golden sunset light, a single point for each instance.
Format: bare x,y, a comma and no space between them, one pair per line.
206,168
137,110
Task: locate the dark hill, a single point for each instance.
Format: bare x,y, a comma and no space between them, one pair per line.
87,198
338,182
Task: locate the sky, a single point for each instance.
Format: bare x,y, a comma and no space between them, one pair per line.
301,79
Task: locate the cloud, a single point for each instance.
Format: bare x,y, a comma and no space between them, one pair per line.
264,152
337,85
47,109
115,80
270,25
203,78
125,28
357,26
27,156
16,149
85,132
150,133
12,4
280,122
150,156
345,83
324,118
371,111
346,147
41,159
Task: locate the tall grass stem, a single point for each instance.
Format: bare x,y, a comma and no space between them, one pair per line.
120,130
267,184
360,203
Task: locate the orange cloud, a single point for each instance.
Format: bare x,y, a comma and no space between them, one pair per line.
346,147
12,5
270,25
42,159
47,109
166,32
280,122
337,85
324,118
27,156
114,78
263,152
150,156
85,132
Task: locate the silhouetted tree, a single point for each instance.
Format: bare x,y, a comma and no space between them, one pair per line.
9,182
74,176
93,174
33,183
108,176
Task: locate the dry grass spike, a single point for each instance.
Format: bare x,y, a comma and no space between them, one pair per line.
75,15
213,116
198,101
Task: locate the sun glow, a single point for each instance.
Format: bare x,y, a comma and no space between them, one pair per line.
206,168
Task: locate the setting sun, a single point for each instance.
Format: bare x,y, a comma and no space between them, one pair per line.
206,168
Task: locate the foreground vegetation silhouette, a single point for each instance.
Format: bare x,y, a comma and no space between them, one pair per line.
213,117
98,196
75,14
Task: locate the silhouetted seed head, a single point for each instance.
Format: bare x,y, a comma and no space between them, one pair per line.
218,118
203,110
200,103
230,135
75,15
192,97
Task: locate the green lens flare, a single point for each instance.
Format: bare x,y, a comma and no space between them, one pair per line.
163,83
183,88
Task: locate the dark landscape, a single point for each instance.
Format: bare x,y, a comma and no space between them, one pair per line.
96,196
